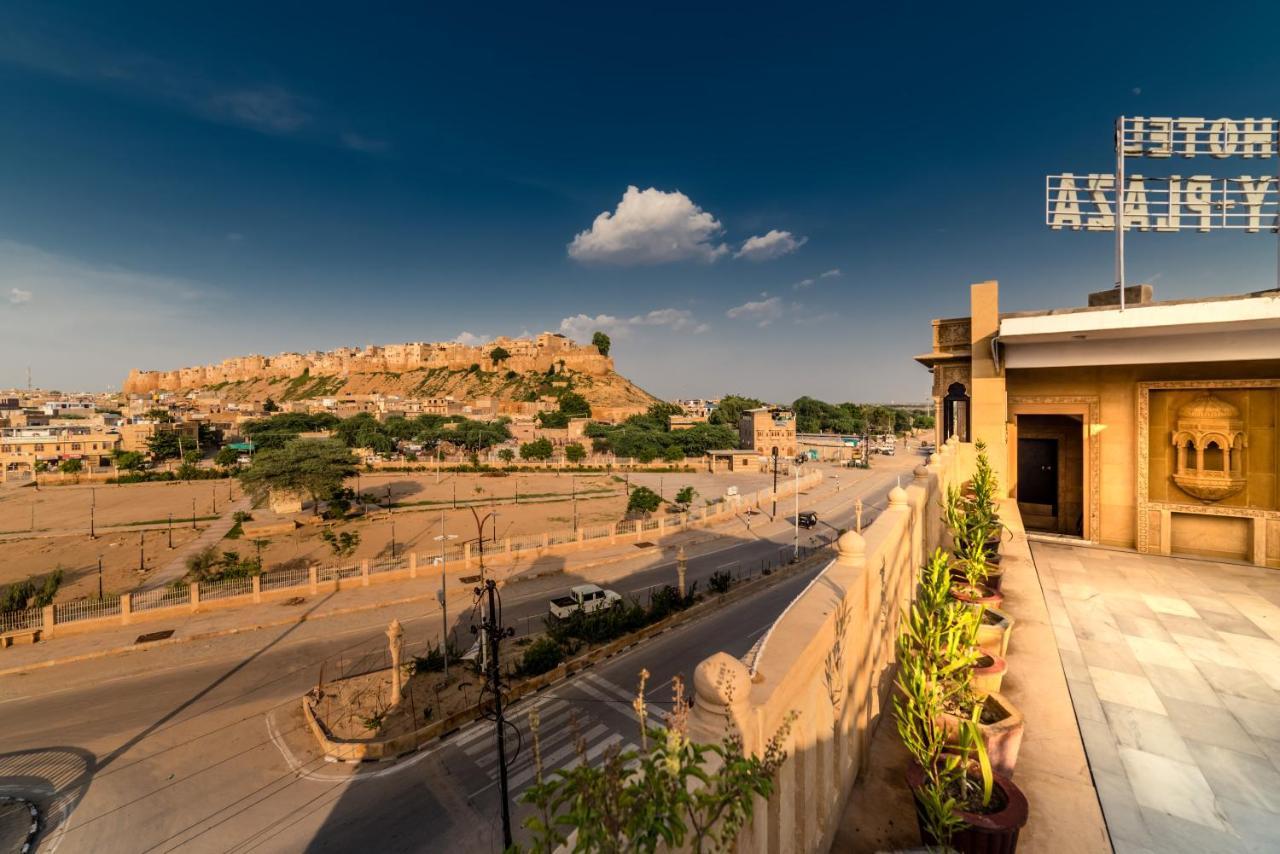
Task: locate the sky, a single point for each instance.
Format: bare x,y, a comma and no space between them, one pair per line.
756,199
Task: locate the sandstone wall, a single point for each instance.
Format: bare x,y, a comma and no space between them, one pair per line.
537,354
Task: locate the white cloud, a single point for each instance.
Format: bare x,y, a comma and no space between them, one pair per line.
580,327
469,340
810,282
763,312
18,296
367,144
650,227
766,247
270,109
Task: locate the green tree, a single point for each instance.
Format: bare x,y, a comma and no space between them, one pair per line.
128,460
730,409
538,449
314,467
227,457
71,466
164,445
574,405
643,500
601,342
685,496
575,453
506,455
672,454
498,355
270,406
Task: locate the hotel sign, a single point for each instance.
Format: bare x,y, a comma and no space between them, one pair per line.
1088,202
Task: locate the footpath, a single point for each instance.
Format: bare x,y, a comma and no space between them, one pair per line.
538,579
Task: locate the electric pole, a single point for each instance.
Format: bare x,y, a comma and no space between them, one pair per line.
775,481
443,595
170,530
494,633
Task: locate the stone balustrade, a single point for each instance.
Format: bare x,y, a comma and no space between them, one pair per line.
828,661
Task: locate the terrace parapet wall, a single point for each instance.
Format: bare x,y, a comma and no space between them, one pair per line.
829,660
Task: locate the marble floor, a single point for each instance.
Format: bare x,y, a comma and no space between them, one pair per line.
1174,671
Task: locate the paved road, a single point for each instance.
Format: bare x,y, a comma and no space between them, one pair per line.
200,746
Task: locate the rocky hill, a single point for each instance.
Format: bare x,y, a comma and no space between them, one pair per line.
507,371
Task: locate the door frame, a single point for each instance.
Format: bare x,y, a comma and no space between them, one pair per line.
1087,409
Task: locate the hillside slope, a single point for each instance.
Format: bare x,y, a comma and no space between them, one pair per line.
607,391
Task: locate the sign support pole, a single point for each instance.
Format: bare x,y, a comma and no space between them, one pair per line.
1119,211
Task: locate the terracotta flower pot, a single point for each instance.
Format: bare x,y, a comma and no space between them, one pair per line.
983,833
1003,736
988,673
994,632
983,596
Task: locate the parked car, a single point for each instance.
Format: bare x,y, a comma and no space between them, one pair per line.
808,519
587,598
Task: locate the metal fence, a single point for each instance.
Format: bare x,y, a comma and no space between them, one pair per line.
18,621
282,578
86,609
163,598
225,588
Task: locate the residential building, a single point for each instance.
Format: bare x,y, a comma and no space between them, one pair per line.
768,427
23,448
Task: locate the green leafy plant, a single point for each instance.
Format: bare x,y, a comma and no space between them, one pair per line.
670,793
720,581
343,544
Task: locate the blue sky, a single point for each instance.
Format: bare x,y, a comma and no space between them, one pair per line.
184,182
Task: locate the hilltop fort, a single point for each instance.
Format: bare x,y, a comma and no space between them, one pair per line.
547,352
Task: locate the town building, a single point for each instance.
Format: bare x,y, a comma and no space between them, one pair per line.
1155,427
768,427
24,449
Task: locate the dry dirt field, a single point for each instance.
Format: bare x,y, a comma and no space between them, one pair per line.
66,508
78,556
62,519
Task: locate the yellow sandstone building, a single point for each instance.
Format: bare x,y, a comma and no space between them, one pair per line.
1153,428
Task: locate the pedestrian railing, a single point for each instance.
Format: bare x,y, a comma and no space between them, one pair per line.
20,621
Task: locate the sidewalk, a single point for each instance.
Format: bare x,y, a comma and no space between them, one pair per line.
538,577
212,535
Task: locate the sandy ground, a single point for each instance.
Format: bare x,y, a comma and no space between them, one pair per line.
64,508
62,517
601,501
78,556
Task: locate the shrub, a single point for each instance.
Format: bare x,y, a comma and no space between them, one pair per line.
720,581
542,655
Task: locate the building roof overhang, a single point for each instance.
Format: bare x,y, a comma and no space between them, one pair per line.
1240,328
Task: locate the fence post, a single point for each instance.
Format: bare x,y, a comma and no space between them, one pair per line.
313,576
662,523
364,573
581,537
546,541
613,533
466,555
506,545
257,588
47,621
413,564
195,595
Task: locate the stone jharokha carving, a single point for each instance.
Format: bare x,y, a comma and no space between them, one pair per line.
1209,441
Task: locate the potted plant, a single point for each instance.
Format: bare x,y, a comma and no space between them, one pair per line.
995,627
961,802
972,589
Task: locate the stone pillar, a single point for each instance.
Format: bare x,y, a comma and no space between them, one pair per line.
857,515
582,533
395,639
662,525
313,577
722,687
195,595
546,541
257,588
466,555
48,619
681,565
988,407
413,564
364,573
613,533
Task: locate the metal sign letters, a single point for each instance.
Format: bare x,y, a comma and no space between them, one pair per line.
1089,202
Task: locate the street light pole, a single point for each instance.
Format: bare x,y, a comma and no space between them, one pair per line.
393,539
495,633
795,552
193,514
99,578
170,530
775,481
444,607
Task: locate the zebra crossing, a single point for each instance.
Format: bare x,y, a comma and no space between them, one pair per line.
563,718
